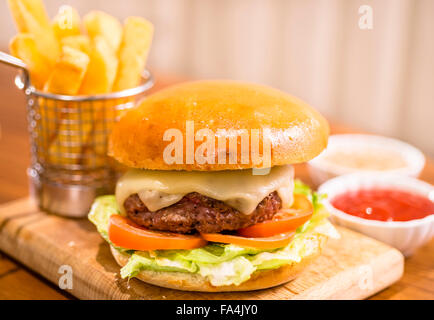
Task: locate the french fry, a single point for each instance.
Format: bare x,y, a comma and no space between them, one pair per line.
104,113
23,46
106,34
93,146
99,79
19,9
73,131
67,22
80,42
136,41
30,17
68,72
99,23
102,68
66,78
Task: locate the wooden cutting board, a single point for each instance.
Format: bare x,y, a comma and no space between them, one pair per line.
353,267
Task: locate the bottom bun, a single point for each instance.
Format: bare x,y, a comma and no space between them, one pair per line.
195,282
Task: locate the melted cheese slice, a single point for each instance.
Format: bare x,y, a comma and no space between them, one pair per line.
239,189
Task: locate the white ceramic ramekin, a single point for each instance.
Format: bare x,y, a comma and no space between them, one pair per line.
321,170
406,236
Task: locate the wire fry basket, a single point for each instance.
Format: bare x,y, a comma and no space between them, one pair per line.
68,139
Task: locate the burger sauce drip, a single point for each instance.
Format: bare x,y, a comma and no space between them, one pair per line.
384,204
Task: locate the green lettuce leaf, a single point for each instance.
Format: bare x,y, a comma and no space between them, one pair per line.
234,271
222,264
102,208
140,260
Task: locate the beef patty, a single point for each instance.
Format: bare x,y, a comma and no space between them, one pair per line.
196,212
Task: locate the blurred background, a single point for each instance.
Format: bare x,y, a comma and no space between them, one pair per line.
379,80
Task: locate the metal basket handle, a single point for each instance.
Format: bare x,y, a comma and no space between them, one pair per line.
17,63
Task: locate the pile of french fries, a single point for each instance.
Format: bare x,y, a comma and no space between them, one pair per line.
72,56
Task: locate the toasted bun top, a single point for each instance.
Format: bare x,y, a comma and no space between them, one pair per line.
297,132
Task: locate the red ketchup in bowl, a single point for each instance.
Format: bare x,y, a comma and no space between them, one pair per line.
384,204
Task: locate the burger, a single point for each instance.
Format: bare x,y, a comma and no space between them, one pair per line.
209,201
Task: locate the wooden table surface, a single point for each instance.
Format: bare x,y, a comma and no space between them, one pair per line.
18,282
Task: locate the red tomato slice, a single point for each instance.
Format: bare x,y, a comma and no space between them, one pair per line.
125,233
283,221
273,242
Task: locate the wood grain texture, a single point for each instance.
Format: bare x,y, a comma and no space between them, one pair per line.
354,267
